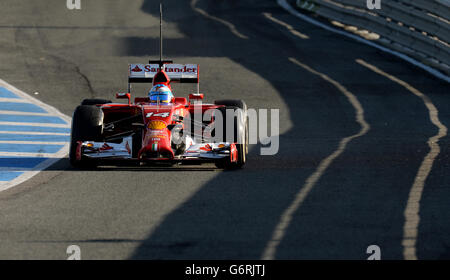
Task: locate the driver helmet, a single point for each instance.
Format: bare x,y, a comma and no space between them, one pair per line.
160,94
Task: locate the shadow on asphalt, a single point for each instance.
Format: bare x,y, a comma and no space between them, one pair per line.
64,165
358,202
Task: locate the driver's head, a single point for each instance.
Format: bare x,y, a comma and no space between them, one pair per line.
160,94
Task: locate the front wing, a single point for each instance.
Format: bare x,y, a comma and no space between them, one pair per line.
123,151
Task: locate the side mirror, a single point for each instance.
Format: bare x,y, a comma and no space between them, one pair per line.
196,96
124,95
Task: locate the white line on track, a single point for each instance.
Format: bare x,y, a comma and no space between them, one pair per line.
34,133
432,71
31,142
286,218
17,169
5,112
24,154
224,22
13,100
58,125
412,210
288,27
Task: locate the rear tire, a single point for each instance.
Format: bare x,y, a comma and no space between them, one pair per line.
87,125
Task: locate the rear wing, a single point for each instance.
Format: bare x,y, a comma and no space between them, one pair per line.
144,73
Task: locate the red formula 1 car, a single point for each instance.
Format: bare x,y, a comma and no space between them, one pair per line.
184,131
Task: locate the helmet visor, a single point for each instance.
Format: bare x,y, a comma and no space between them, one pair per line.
160,97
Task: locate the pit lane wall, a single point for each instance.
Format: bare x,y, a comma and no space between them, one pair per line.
418,28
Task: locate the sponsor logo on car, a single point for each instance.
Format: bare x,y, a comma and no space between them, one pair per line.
168,69
156,134
206,148
136,69
157,125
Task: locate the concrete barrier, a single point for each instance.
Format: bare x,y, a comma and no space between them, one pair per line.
419,28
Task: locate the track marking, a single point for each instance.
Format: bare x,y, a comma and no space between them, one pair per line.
36,124
432,71
21,165
17,169
50,159
412,210
286,217
32,119
34,133
4,112
23,154
5,93
288,27
224,22
14,100
31,142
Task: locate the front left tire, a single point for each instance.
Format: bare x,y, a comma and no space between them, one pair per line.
87,125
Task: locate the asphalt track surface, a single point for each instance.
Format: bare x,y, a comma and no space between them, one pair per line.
352,140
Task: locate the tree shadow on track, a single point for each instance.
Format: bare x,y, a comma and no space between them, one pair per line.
358,202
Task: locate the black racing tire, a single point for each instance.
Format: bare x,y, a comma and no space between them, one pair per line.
240,104
240,133
95,101
232,102
136,143
87,125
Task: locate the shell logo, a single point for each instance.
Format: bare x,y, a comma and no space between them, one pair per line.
158,125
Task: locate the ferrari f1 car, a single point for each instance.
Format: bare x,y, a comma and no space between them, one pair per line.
184,131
